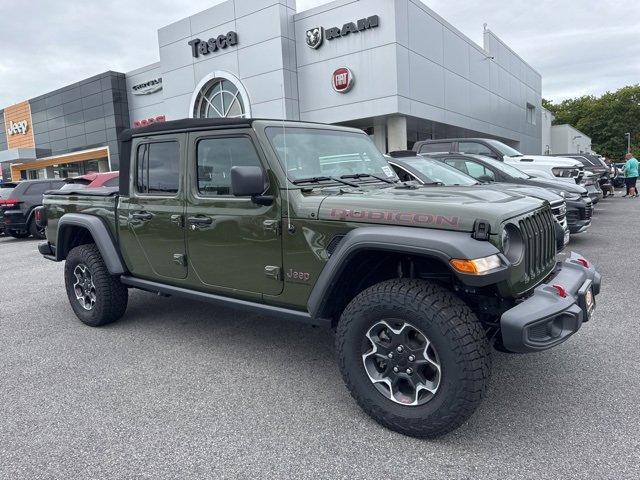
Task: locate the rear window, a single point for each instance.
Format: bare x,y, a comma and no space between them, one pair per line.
444,147
5,192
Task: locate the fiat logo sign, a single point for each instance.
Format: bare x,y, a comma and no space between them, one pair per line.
342,80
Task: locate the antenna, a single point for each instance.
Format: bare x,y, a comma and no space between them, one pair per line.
290,227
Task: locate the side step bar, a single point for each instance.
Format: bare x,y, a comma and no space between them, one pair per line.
259,308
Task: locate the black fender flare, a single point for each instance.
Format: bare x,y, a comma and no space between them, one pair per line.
101,235
441,245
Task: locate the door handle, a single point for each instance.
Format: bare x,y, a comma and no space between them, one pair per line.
199,221
146,216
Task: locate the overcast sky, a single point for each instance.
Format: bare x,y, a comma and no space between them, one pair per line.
579,47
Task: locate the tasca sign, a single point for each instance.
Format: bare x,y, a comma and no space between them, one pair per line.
205,47
17,128
316,35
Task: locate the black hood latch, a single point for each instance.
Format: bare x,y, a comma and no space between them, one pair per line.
481,229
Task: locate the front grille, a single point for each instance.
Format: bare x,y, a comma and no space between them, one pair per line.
538,234
559,212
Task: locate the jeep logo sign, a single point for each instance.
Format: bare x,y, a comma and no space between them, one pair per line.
205,47
314,35
17,127
342,80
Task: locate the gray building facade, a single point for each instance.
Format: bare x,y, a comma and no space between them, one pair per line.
394,68
412,75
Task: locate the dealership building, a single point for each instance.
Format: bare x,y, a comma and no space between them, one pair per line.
393,68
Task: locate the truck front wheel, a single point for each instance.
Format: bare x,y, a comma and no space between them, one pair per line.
97,297
413,356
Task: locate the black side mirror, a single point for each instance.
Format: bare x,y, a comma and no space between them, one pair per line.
249,182
486,179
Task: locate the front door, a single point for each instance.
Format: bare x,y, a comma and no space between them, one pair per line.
233,244
154,239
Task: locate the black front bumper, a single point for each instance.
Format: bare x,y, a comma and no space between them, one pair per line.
579,213
546,318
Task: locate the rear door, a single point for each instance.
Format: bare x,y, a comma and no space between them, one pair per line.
233,244
153,240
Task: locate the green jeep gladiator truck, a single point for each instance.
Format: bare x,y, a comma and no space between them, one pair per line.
308,222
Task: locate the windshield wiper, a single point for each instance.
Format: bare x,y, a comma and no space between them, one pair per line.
356,176
323,179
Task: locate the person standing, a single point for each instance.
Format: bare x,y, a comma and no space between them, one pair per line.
631,174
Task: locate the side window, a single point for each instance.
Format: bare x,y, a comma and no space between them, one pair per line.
479,172
158,168
216,156
474,148
38,188
457,164
403,175
444,147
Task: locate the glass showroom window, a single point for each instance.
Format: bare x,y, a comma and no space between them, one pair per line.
219,98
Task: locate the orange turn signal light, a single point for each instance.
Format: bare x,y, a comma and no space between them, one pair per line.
464,266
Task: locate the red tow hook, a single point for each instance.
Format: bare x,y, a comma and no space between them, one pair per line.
583,262
560,290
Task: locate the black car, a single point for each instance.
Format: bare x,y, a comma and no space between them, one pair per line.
5,190
429,171
16,210
484,169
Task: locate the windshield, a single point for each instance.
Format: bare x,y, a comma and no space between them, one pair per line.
505,168
504,149
438,172
309,152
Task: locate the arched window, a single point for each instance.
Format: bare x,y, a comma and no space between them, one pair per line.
219,98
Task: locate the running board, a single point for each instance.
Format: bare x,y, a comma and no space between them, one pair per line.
260,308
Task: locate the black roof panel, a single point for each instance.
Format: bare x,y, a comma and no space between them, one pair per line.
186,124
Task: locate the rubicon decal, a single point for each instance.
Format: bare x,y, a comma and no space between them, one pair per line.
406,218
18,128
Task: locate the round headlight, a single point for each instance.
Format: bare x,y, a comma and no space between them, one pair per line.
512,243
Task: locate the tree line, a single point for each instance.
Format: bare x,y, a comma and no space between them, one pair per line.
605,119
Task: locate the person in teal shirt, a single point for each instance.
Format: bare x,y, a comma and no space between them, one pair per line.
631,174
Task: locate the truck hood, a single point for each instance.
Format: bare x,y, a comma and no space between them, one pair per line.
546,160
447,208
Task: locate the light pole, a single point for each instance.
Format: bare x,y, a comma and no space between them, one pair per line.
628,135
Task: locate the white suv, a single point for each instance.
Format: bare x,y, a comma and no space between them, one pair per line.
561,168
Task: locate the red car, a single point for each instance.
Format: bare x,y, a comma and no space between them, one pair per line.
92,180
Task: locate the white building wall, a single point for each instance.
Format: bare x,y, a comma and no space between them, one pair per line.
547,121
143,107
567,139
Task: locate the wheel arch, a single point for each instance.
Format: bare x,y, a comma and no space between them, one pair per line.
76,229
367,255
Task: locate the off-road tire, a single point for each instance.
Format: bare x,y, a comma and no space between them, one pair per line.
33,231
454,331
111,294
17,234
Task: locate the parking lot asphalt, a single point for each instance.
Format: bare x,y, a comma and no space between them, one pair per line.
179,389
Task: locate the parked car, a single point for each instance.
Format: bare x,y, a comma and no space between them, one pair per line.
565,169
409,166
92,180
309,222
601,173
5,189
590,182
16,210
579,205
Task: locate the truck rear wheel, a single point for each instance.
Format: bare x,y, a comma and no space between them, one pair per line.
413,356
35,231
97,297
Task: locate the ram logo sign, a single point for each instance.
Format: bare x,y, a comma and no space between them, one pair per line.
18,128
